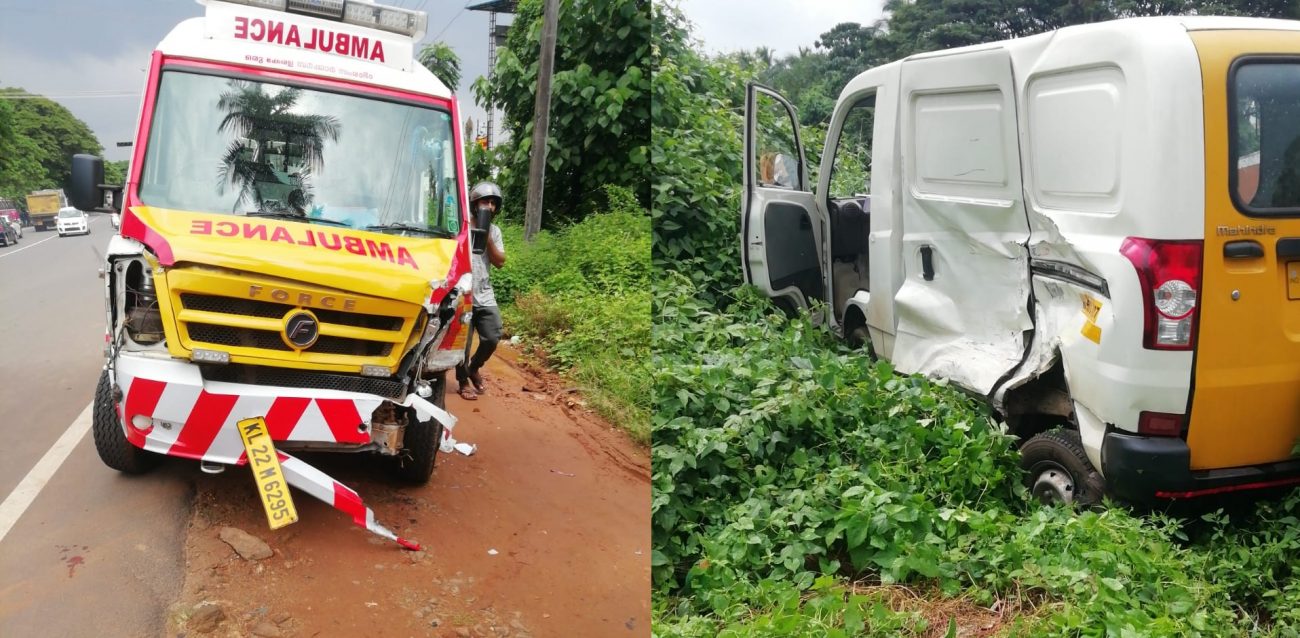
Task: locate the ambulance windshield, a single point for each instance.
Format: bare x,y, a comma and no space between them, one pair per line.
223,145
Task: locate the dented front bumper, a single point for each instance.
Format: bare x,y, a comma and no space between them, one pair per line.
167,407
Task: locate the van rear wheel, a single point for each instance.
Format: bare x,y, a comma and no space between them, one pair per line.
1057,470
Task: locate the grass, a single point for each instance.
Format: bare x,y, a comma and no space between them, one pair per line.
579,299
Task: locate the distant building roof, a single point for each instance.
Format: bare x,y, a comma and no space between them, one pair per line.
499,6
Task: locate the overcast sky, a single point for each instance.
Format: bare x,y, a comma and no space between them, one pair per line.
782,25
67,48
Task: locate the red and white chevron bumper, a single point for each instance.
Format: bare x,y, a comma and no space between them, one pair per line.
168,408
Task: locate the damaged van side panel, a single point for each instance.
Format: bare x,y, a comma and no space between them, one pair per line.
962,310
1109,120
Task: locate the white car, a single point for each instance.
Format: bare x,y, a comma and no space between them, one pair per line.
72,220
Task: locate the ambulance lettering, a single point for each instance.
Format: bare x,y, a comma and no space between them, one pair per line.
276,32
379,250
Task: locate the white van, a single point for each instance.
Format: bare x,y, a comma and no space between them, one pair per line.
1096,229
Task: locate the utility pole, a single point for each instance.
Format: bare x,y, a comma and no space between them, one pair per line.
541,121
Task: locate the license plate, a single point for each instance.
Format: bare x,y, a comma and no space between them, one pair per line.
265,464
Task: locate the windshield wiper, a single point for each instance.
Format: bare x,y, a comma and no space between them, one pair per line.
434,232
294,217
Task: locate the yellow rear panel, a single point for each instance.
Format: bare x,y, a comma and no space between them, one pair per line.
1246,386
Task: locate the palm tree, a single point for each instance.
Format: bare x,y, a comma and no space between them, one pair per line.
440,60
272,147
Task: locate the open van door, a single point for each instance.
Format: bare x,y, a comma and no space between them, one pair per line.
781,227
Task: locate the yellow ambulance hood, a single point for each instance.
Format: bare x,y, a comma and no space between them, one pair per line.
378,264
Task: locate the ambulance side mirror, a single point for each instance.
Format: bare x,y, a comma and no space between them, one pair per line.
478,235
87,175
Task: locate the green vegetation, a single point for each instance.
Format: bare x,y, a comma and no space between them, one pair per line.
600,103
801,489
579,293
582,295
787,467
38,138
441,61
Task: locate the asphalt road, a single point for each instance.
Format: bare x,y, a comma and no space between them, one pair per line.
96,553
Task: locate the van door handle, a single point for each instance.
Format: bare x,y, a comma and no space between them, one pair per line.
1288,247
927,263
1247,249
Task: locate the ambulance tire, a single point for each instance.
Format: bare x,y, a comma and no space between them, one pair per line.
422,439
1057,470
110,440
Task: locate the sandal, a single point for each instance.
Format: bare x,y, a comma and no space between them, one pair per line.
477,379
467,393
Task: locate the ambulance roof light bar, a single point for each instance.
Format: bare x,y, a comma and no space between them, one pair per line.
359,12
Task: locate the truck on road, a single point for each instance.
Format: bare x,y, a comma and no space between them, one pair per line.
43,207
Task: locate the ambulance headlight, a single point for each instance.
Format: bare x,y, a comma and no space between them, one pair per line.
323,8
200,355
432,328
274,5
403,21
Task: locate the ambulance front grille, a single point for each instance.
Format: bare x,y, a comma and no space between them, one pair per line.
266,340
293,378
272,310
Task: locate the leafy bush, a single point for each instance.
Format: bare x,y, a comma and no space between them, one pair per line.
582,293
600,102
781,457
697,122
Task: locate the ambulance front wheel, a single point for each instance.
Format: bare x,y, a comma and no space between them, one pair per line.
422,438
110,439
1057,470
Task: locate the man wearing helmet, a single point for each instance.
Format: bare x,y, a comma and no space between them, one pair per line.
484,204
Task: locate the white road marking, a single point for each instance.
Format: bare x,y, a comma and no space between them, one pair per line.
21,498
15,252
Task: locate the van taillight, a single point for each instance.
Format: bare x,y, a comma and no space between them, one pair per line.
1169,273
1160,424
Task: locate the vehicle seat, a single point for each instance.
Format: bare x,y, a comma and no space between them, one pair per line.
850,227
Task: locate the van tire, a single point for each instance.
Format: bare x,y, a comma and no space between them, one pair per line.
422,439
1057,470
110,439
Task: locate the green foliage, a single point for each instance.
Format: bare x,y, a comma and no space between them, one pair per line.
697,119
480,164
813,77
20,169
600,103
781,457
115,172
443,62
582,293
38,138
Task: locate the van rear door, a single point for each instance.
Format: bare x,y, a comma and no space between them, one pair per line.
1245,406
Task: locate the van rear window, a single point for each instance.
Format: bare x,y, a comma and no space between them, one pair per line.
1264,116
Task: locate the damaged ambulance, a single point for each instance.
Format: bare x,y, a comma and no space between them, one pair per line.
292,269
1095,229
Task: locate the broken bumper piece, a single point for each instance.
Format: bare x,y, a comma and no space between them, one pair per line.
337,495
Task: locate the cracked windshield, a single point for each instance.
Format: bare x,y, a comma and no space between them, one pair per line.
225,145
